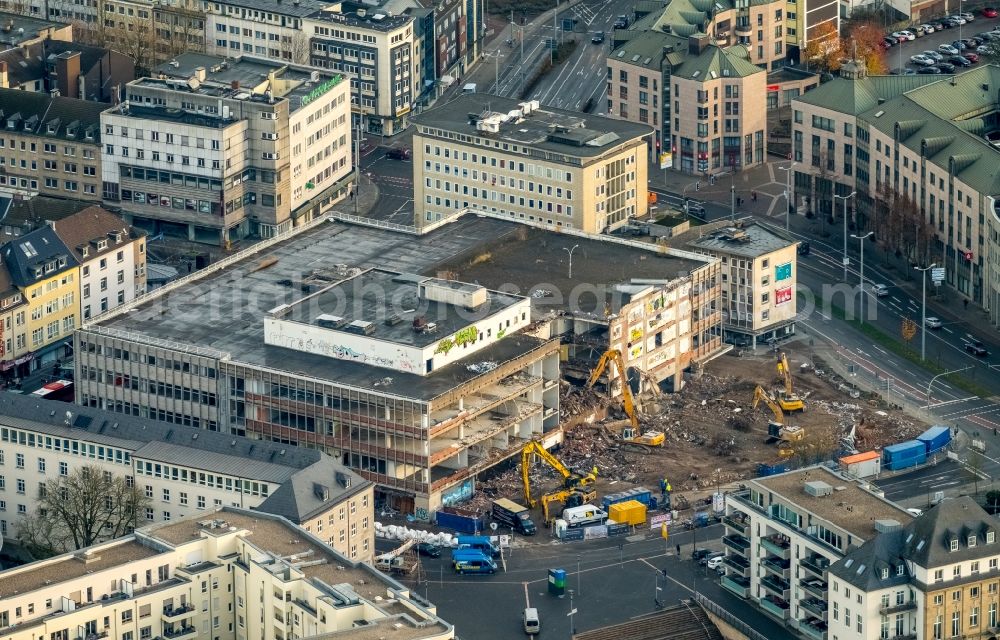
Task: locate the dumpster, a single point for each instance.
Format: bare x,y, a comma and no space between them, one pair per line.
935,439
629,512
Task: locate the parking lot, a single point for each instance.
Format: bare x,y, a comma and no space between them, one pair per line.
898,56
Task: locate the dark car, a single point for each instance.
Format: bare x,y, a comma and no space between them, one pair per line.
958,44
698,554
974,346
943,24
959,61
398,153
804,248
889,40
972,43
598,37
429,550
928,71
946,67
621,22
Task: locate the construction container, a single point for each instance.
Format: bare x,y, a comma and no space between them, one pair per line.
629,512
862,465
639,494
935,439
904,455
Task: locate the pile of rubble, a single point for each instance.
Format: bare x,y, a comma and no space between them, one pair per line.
574,401
871,429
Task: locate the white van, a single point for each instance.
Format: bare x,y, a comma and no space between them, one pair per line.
469,88
530,619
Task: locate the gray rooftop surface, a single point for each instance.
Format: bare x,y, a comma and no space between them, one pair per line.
225,309
375,295
754,240
248,71
299,9
32,27
388,21
853,509
535,263
585,135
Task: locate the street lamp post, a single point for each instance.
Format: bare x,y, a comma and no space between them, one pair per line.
923,312
572,611
579,576
845,199
570,252
861,241
788,193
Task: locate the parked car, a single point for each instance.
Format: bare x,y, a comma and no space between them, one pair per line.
429,550
904,35
621,22
932,323
715,562
959,45
946,67
959,61
928,70
957,19
398,153
711,556
974,346
982,49
922,60
943,24
972,43
934,55
598,37
968,17
928,28
989,12
698,554
888,42
971,57
907,72
947,48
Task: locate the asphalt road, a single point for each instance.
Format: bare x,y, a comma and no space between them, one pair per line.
393,177
898,57
611,586
923,483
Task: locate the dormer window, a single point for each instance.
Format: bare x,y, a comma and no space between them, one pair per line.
972,540
885,573
899,569
990,537
51,128
62,262
85,251
38,271
102,244
954,544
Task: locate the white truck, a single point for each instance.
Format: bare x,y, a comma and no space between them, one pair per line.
584,515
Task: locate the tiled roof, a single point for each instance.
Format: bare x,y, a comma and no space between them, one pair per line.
36,256
85,228
59,118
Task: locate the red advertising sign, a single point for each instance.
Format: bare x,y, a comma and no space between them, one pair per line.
781,296
773,87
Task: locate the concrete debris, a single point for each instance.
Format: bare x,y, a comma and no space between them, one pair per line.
384,382
482,367
541,293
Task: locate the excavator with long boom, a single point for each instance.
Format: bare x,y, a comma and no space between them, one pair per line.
787,398
777,430
573,483
645,440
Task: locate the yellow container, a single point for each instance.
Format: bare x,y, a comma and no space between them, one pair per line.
630,512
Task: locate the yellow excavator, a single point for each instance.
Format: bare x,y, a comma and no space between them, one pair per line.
631,435
568,498
777,430
787,399
571,480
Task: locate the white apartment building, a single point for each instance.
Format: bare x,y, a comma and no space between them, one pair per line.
260,28
182,470
112,257
378,50
216,150
784,534
231,574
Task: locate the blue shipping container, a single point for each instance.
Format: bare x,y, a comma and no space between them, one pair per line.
462,523
904,455
641,494
935,439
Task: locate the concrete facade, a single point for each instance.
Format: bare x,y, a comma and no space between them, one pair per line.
586,173
278,152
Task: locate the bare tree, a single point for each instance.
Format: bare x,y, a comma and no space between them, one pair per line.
901,227
133,35
82,508
300,48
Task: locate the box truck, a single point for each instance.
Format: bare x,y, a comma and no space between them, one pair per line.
514,516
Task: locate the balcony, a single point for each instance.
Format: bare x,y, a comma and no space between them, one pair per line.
738,564
775,566
180,633
775,606
174,613
739,586
777,545
814,630
777,586
814,606
898,608
744,30
737,543
733,523
814,586
812,565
